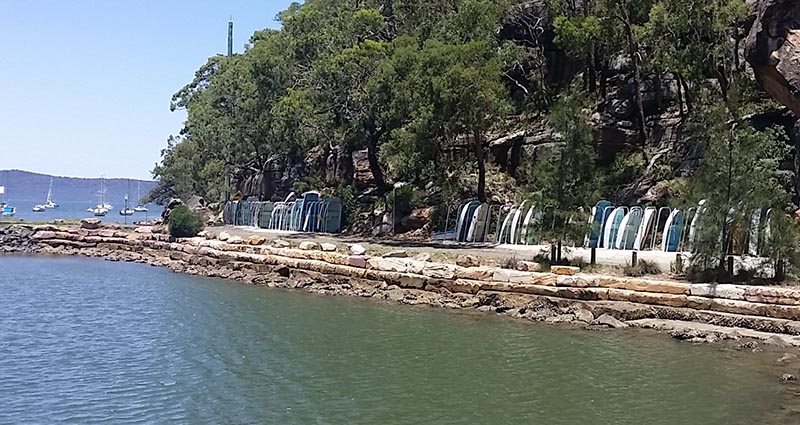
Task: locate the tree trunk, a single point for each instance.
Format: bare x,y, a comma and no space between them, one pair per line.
373,137
637,82
480,156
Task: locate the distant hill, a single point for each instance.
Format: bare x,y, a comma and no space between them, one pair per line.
27,186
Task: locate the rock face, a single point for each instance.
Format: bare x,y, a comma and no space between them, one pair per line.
773,50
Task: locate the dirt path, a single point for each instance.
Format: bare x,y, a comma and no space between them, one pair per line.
449,250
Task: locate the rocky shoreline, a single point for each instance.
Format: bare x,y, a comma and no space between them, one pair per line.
699,313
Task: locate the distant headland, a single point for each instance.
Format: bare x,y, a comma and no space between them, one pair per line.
28,186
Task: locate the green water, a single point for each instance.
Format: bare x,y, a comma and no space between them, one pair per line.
87,341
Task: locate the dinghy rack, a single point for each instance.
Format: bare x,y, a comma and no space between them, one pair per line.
632,228
309,212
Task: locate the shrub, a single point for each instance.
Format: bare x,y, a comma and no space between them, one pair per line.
642,267
184,223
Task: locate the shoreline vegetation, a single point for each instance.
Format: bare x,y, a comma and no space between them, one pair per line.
749,317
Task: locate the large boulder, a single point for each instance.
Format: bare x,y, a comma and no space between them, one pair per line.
773,50
171,205
91,223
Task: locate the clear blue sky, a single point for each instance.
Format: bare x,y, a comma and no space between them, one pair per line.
85,85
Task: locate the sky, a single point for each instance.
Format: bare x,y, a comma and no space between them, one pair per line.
85,85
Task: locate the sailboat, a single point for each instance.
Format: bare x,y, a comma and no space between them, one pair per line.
126,211
5,209
100,210
49,203
140,207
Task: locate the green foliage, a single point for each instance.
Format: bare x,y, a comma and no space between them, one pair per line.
184,223
562,175
738,175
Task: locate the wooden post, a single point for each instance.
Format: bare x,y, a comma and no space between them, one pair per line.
730,266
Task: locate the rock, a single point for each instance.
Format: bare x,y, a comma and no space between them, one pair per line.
468,261
787,357
145,230
171,205
395,254
423,256
610,321
309,246
777,342
788,377
418,219
256,240
773,50
565,270
44,235
280,243
224,236
328,247
90,223
529,266
235,240
281,271
357,249
583,315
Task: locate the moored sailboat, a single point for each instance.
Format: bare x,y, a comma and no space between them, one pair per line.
49,203
140,207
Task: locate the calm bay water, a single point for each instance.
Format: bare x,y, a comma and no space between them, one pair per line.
88,341
77,210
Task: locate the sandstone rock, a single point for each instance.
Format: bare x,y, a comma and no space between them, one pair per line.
44,235
280,243
777,342
328,247
90,223
514,276
788,377
468,261
773,49
528,266
224,236
256,240
583,315
145,230
399,265
609,321
564,270
357,261
357,249
731,292
439,271
234,240
475,273
309,246
396,254
423,256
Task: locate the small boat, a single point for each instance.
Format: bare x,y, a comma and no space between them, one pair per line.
126,211
5,209
103,207
49,203
39,208
140,207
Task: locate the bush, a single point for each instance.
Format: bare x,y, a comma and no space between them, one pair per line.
184,223
643,267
